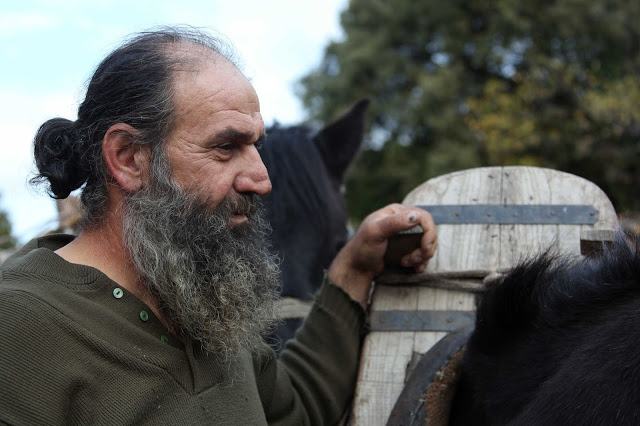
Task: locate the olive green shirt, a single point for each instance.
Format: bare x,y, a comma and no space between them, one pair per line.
76,348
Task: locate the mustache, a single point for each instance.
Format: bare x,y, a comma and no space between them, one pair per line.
239,204
243,204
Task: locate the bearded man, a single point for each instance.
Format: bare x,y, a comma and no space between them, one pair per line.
155,312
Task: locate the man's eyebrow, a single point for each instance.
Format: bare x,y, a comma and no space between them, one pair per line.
236,136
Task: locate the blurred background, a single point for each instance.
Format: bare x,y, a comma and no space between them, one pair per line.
49,49
459,84
454,84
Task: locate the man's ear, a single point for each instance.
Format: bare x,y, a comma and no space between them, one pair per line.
126,160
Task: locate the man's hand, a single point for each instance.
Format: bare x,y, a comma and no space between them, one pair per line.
361,259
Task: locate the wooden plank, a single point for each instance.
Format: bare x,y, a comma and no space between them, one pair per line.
394,297
383,369
531,185
469,242
474,244
466,247
460,247
423,341
381,377
524,185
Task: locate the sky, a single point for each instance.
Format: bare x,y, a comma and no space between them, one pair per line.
49,49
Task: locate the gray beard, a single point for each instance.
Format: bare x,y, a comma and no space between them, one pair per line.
216,284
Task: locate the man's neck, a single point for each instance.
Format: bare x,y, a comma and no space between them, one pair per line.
102,247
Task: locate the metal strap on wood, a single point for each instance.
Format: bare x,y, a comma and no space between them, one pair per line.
420,320
548,214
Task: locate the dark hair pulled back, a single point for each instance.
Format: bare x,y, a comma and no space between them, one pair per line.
54,153
132,85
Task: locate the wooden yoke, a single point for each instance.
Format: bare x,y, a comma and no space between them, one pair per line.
488,220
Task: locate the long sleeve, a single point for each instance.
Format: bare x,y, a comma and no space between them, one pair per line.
315,377
74,348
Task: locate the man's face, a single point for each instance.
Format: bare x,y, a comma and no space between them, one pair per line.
215,280
212,148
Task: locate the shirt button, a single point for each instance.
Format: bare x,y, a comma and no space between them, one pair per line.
164,339
144,315
117,293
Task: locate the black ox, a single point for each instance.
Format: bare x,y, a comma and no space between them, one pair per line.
556,342
306,208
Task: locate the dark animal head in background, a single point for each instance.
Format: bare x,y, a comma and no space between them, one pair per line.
557,343
306,208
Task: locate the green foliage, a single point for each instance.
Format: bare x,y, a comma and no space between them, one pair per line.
7,241
463,83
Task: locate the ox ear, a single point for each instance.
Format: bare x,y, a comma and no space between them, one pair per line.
340,140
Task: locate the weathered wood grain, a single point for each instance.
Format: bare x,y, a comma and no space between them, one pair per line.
463,248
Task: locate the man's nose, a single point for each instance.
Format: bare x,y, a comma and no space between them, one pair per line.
255,177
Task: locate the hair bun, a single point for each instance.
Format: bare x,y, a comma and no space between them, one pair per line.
58,156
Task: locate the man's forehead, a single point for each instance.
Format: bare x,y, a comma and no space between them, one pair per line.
212,97
213,79
194,54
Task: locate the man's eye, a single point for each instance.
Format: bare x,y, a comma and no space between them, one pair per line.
226,147
259,144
